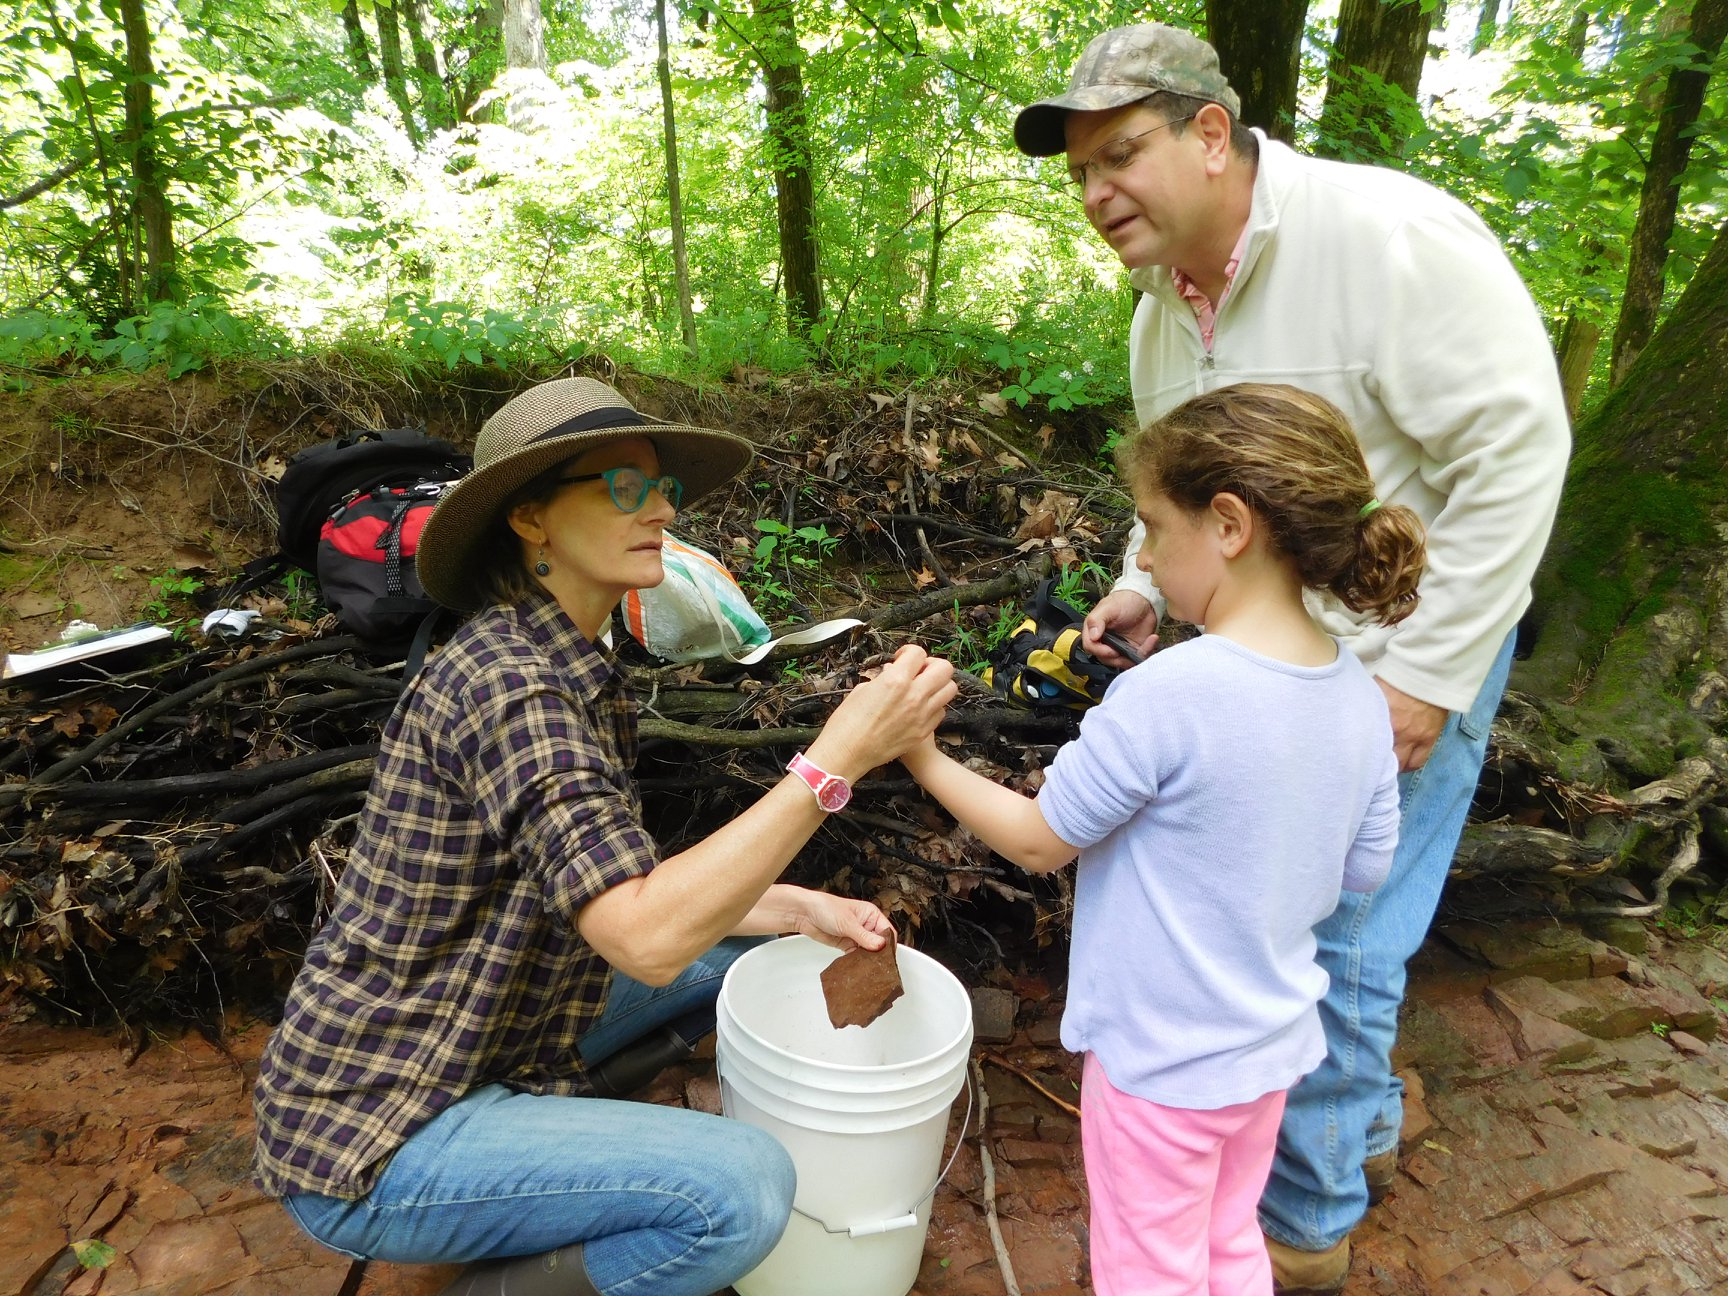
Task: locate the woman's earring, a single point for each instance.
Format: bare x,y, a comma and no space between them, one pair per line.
542,568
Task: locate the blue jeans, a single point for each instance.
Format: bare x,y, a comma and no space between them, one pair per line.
1352,1106
665,1201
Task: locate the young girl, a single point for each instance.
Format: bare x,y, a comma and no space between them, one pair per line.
1218,799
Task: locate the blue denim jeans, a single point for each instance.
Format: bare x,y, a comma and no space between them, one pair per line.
1352,1106
666,1201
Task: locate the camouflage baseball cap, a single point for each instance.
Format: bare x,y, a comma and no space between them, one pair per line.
1124,66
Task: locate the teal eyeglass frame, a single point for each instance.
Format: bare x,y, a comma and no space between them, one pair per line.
633,479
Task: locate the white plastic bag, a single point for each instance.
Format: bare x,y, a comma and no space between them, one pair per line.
697,611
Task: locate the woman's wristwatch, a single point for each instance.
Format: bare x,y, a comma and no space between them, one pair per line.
832,791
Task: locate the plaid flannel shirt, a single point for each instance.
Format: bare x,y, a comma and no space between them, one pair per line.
502,803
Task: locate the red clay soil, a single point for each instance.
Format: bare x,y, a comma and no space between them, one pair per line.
1568,1132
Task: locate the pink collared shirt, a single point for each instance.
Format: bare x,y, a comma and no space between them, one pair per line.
1205,309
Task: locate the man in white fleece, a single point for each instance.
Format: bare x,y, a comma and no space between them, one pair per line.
1394,301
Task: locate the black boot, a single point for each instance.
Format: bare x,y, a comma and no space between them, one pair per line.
639,1061
557,1273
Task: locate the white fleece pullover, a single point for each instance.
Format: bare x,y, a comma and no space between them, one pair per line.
1394,301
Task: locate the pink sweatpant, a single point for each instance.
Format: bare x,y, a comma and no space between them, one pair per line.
1174,1192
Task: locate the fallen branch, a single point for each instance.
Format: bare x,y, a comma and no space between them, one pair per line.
1685,860
991,1222
934,563
302,807
944,525
1006,1065
239,671
181,787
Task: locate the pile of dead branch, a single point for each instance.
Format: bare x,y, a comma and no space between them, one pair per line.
169,836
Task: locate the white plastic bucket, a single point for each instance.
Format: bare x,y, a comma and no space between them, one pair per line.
863,1111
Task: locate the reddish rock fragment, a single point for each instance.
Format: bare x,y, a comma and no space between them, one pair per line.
862,985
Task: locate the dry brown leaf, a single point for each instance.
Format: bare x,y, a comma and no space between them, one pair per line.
992,403
923,577
1039,525
1046,435
966,443
191,557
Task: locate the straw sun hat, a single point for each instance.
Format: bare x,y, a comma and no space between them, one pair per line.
539,429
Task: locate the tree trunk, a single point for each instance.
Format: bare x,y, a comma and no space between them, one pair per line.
152,217
674,199
357,52
390,57
485,43
1487,24
1670,150
524,35
434,99
1259,46
789,153
1632,594
1579,340
1372,80
933,264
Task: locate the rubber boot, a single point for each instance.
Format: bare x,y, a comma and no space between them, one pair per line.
557,1273
639,1061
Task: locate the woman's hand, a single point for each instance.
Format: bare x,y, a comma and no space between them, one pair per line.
883,717
842,923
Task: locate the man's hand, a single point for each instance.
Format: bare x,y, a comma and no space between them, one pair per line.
1416,726
1130,615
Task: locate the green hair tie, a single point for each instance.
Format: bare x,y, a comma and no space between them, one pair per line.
1368,508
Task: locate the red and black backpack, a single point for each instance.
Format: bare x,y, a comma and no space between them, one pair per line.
350,511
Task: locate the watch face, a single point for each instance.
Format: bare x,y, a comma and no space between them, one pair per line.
833,795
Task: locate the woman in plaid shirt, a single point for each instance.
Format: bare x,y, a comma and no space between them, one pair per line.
506,943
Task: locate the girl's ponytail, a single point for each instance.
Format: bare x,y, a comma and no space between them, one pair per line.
1292,457
1382,576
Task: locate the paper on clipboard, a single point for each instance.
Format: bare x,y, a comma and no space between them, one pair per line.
19,665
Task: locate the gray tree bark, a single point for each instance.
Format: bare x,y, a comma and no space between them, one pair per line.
1259,43
358,54
434,97
1381,43
390,57
1670,150
674,198
152,215
789,153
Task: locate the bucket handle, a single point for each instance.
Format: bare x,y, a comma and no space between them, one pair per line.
910,1218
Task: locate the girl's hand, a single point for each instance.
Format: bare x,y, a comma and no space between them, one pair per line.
920,754
843,923
883,717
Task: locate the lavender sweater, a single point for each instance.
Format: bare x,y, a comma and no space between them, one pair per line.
1220,800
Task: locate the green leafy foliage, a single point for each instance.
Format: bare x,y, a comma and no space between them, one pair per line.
785,561
302,215
93,1253
170,593
449,333
178,337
